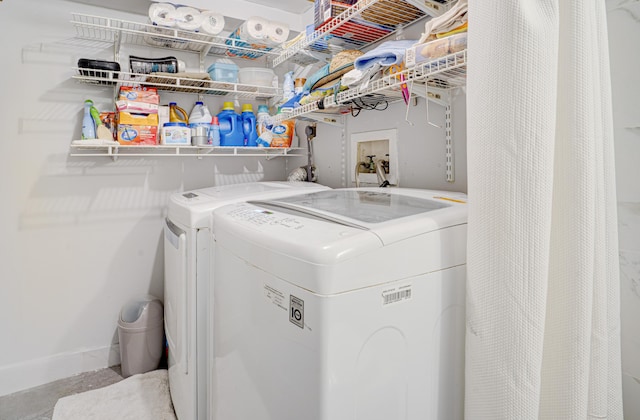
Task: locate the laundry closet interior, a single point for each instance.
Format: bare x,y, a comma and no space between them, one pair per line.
89,221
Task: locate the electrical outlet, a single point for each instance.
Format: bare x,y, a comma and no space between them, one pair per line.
379,146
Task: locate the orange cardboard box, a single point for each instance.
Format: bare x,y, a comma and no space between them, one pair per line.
109,121
128,118
137,134
139,94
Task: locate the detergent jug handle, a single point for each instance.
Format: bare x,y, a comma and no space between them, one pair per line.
184,113
246,126
240,127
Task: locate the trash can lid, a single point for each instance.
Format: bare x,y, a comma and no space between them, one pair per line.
140,312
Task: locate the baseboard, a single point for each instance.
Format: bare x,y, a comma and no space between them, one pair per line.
37,372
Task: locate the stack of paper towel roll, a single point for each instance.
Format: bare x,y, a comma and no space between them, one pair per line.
257,33
257,30
186,18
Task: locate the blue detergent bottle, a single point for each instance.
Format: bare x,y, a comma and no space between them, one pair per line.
230,126
249,126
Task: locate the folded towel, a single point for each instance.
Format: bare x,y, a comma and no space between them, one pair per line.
360,78
315,77
448,21
386,54
458,30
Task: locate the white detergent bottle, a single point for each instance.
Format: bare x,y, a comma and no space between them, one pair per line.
263,119
200,117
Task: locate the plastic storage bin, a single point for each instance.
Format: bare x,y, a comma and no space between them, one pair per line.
256,76
223,70
141,333
99,68
435,49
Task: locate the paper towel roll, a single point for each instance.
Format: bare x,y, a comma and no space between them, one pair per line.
166,40
161,14
187,18
254,29
277,32
212,22
251,34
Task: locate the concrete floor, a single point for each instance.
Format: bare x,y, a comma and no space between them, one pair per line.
38,403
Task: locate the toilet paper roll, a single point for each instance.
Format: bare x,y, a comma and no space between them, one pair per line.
161,14
212,22
277,32
187,18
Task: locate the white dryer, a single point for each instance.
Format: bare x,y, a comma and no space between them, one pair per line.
187,250
341,304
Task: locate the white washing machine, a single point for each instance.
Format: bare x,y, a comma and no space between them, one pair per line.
341,304
188,253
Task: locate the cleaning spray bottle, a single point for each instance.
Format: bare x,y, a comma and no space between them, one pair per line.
288,87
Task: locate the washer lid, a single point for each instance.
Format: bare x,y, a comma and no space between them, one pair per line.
326,252
392,214
193,208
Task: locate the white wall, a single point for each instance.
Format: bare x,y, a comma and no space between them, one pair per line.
80,236
421,146
624,30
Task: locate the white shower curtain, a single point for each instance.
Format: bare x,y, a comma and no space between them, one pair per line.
543,318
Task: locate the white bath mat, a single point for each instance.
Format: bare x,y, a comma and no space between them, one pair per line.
139,397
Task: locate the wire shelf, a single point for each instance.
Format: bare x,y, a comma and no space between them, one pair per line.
171,83
356,27
126,32
448,72
120,150
436,8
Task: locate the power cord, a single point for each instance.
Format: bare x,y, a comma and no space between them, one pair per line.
371,102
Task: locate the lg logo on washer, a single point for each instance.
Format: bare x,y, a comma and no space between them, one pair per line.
296,311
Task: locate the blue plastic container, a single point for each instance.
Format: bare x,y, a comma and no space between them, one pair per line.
223,70
249,128
230,126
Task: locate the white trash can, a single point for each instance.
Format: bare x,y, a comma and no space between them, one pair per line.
141,333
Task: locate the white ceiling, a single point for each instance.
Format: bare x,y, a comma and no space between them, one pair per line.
142,6
292,6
